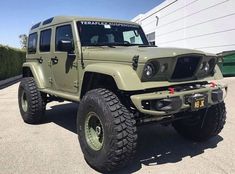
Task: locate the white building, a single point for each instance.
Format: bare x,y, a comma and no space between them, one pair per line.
207,25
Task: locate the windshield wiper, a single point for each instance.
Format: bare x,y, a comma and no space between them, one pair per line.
101,45
113,44
119,44
129,44
110,46
147,45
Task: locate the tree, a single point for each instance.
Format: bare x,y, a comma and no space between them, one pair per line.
23,40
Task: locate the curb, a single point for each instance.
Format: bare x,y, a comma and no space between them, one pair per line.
9,81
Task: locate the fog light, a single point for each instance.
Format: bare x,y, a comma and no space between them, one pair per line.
217,95
159,105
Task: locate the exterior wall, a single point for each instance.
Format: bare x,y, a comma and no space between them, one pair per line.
207,25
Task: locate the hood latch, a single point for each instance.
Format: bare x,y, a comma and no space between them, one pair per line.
135,62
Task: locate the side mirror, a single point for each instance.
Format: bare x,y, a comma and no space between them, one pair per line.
65,45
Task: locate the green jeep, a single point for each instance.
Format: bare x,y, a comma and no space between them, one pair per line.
120,82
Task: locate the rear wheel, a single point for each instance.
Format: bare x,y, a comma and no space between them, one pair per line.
31,102
106,131
203,124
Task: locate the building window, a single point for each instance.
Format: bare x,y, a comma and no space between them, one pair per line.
45,40
151,38
32,43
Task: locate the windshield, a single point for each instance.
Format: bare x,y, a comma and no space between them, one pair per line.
94,33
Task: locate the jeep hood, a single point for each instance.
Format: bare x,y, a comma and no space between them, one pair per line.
126,54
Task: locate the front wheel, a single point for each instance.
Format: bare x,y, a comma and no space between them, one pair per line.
203,124
106,131
31,101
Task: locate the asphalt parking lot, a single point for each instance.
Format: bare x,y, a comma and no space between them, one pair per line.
52,147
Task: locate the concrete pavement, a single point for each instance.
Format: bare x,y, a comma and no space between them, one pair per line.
53,147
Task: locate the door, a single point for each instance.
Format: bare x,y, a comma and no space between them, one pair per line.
44,55
64,64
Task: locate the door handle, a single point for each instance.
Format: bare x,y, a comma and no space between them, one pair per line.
54,60
40,60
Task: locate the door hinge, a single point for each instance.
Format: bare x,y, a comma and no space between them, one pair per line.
75,84
50,80
135,61
75,64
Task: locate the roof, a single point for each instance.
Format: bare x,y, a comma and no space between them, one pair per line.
63,19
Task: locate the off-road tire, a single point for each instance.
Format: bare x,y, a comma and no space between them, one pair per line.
34,114
119,127
204,123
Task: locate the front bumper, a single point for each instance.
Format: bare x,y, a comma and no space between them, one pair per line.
177,101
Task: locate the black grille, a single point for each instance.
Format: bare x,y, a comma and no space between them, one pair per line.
185,67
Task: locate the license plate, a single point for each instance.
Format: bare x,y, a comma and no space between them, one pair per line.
198,103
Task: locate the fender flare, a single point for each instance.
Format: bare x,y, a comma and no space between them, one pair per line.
125,77
37,73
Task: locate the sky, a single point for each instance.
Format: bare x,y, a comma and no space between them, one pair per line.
17,16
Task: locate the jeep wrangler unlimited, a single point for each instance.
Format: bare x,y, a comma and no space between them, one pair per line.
121,82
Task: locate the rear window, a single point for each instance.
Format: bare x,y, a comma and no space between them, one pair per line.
32,43
45,40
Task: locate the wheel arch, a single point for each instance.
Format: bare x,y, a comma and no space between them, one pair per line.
95,80
119,77
26,72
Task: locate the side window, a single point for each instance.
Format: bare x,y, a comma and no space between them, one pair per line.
45,40
32,43
63,33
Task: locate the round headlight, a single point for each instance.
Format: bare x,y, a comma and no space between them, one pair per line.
149,70
201,66
205,66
